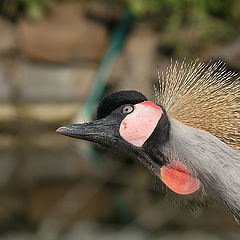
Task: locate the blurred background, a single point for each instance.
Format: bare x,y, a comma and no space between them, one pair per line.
57,59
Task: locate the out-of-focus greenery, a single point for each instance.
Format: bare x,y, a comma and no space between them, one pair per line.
189,24
32,9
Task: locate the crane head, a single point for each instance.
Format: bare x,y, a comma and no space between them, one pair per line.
129,124
190,139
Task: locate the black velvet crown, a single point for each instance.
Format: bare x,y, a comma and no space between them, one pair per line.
116,100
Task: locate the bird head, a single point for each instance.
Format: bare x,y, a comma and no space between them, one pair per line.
193,146
129,124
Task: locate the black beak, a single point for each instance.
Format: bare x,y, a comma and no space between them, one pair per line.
103,131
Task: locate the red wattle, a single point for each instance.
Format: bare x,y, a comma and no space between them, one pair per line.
178,178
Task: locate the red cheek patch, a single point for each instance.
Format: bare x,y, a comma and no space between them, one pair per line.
137,126
178,178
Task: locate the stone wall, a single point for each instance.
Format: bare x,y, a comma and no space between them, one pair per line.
50,186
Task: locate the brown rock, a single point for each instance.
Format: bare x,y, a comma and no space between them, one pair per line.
41,201
103,10
136,67
42,165
5,86
7,36
8,112
65,35
63,201
50,112
11,205
46,82
7,164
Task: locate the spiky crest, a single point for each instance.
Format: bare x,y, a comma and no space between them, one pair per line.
204,96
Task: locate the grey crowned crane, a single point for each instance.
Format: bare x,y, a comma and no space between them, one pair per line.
189,138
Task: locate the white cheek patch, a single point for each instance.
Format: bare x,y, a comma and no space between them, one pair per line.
137,126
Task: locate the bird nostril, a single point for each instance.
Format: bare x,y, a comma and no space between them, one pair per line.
61,130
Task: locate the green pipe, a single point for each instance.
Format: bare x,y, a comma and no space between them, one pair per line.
105,66
95,94
99,83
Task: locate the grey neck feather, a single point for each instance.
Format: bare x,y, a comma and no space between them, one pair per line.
215,164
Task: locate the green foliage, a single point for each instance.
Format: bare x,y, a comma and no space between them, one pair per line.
186,25
32,9
189,24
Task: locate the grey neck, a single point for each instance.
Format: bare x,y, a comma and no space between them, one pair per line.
215,164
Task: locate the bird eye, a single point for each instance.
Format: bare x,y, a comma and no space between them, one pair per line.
127,109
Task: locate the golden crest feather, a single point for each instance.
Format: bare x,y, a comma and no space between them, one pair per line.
204,96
